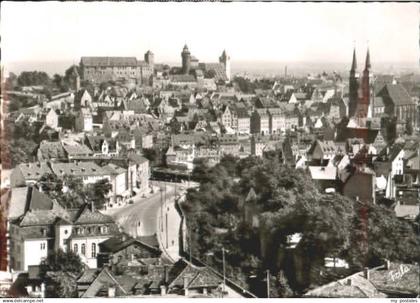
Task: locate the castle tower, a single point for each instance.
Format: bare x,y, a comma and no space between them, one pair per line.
186,60
149,58
225,60
353,86
76,78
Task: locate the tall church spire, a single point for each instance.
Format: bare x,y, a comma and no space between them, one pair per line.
367,63
354,63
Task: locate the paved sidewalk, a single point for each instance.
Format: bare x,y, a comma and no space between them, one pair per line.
168,230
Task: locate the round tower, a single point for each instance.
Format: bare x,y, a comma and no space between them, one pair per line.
149,58
225,60
186,60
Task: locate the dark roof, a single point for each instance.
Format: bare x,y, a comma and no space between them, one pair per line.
397,93
86,215
109,61
119,242
38,200
49,150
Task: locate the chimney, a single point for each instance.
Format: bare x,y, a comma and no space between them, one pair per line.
387,264
162,290
366,273
186,281
42,290
111,292
348,282
92,206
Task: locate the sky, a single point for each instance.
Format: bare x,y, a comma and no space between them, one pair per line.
249,31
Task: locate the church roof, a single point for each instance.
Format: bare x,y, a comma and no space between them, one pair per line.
397,93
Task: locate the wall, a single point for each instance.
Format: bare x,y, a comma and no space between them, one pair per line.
33,254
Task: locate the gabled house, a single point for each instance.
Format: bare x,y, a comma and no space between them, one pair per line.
102,146
45,226
51,119
260,122
84,120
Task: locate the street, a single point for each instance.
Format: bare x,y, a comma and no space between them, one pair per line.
146,217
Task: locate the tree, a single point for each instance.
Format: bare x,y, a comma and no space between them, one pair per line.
61,270
98,192
369,246
29,78
69,191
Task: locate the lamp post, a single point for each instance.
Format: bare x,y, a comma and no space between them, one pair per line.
268,283
224,271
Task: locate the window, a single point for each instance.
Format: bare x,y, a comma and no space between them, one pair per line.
93,250
42,246
75,248
83,249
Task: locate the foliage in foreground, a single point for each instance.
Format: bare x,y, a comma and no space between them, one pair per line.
287,202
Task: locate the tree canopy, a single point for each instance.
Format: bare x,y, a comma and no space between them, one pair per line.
29,78
71,192
61,270
286,202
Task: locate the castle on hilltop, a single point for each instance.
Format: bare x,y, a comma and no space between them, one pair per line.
219,70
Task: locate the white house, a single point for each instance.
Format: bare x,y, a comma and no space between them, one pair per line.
84,120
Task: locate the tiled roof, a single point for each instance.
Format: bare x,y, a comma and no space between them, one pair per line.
79,169
182,78
88,275
189,271
86,216
359,288
205,278
17,202
33,170
113,169
109,61
76,149
38,200
117,243
399,278
397,93
261,112
50,150
136,158
378,102
338,291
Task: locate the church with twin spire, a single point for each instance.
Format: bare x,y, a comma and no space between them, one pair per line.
360,104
